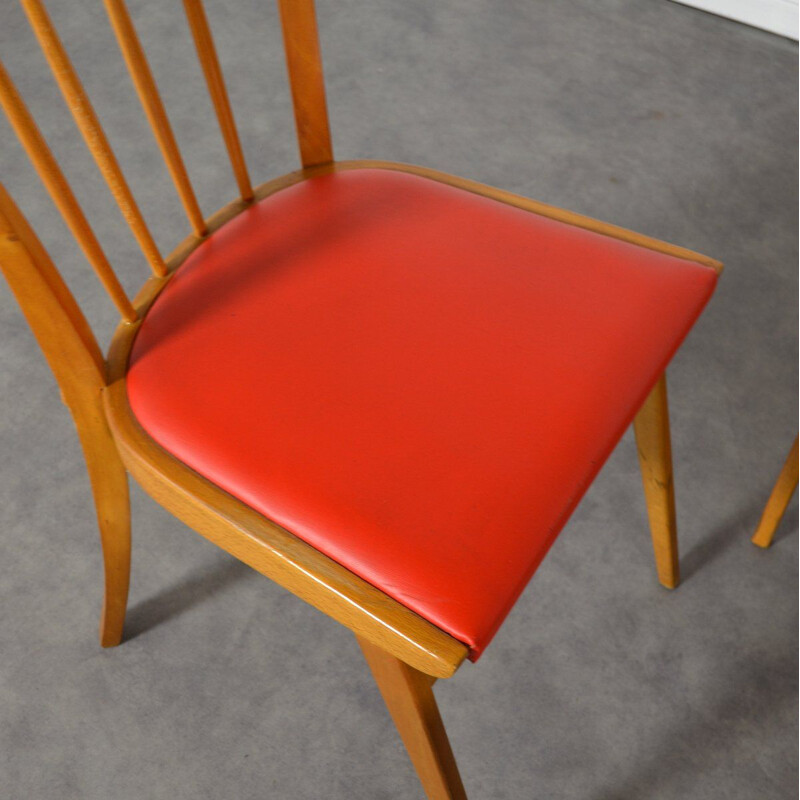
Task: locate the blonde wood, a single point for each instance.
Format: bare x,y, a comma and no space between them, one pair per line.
534,206
73,354
651,426
89,125
304,63
154,109
206,52
409,697
56,184
778,500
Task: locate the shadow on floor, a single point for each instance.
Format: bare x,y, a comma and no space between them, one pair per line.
754,689
175,600
788,525
736,529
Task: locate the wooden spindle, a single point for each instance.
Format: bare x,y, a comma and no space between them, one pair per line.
304,62
89,126
154,109
56,184
206,52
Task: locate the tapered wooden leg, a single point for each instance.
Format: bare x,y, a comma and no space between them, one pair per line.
776,505
408,695
111,498
79,368
655,458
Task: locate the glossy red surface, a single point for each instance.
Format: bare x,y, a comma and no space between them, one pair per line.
418,381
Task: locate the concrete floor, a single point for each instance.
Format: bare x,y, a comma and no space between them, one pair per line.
601,685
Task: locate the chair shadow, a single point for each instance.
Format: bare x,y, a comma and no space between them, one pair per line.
787,526
757,677
764,685
177,599
738,528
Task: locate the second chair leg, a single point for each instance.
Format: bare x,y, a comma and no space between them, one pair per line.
408,695
778,500
651,426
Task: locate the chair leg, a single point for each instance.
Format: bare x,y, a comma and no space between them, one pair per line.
776,505
109,481
408,695
651,426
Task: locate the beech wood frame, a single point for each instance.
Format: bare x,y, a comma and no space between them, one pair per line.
405,652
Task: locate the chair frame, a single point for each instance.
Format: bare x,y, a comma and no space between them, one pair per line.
406,654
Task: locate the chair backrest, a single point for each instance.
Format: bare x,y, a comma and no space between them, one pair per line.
46,301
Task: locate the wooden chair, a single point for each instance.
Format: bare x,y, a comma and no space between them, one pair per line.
383,387
778,500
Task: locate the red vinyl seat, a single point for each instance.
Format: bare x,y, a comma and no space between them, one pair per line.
418,381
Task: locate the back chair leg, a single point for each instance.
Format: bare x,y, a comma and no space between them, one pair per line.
776,505
109,481
408,695
651,426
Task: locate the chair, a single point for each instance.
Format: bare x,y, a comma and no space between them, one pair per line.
778,500
383,387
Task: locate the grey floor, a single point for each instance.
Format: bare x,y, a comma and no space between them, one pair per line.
601,685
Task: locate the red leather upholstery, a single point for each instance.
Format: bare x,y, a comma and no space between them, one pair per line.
418,381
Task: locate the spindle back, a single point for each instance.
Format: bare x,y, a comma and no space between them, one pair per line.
22,252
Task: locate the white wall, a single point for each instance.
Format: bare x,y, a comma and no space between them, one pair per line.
778,16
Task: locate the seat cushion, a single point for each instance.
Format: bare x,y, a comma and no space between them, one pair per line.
418,381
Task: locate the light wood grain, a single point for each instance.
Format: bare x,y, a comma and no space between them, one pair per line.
72,353
304,63
651,426
409,697
207,53
778,500
56,184
147,90
89,125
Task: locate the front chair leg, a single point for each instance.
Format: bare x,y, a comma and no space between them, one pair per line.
651,427
110,489
408,695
